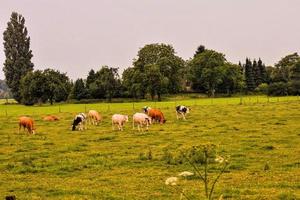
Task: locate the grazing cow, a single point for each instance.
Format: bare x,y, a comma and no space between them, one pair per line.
141,119
79,121
119,120
28,123
155,114
182,110
51,118
94,117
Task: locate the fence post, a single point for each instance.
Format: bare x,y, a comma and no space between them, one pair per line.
133,106
268,99
241,100
59,109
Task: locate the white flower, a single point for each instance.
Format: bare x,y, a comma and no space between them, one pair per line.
171,181
219,159
186,174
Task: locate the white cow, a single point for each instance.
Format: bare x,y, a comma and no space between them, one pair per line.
141,119
119,120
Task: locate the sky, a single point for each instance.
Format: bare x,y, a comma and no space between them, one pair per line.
75,36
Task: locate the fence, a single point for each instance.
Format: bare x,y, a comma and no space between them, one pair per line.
15,110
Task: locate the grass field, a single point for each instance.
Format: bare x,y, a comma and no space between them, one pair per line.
98,163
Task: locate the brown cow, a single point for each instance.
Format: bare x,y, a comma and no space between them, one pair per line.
155,114
51,118
28,123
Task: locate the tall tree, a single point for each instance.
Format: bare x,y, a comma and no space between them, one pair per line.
17,52
205,71
249,77
295,79
170,65
79,90
256,73
284,66
263,71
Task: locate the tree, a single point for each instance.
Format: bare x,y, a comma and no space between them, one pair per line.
33,88
249,77
156,82
256,73
17,52
295,79
79,90
232,80
262,71
284,66
58,85
170,66
199,50
205,71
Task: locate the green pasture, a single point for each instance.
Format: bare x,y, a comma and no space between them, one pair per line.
261,135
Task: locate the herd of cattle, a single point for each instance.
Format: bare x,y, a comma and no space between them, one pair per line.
149,116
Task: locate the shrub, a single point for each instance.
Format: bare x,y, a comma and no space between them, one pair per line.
278,89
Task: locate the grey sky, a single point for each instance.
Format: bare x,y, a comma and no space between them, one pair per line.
75,36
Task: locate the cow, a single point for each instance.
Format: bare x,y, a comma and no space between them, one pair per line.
80,121
119,120
27,122
94,117
51,118
155,114
141,119
182,110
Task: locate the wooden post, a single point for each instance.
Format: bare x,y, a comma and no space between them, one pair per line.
241,100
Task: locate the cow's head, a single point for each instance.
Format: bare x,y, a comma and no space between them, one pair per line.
126,118
33,131
163,121
146,109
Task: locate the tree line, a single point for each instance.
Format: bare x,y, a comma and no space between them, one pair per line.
156,71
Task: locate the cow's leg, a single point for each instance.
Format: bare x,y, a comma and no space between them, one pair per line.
19,127
177,115
183,116
132,125
112,125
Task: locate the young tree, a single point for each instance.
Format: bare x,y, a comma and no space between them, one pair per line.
256,73
17,52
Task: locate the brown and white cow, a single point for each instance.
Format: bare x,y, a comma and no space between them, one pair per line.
28,123
119,120
94,117
155,114
141,119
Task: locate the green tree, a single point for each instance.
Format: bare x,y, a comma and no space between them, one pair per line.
58,85
206,71
156,82
33,88
256,73
79,90
170,66
199,50
262,71
17,52
249,76
232,80
295,79
284,66
106,83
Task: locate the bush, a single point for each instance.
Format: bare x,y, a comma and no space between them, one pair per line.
262,88
278,89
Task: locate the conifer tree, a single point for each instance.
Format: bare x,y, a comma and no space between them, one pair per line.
263,71
17,52
249,75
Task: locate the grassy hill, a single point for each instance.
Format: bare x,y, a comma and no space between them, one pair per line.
262,140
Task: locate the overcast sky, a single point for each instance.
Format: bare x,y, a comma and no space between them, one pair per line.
75,36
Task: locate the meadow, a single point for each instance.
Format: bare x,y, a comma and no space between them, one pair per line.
261,135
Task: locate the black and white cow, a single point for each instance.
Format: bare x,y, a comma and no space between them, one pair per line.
182,110
79,121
